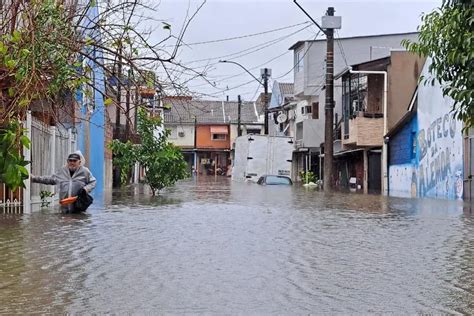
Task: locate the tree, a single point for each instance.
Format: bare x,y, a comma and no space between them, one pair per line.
446,36
163,162
12,164
49,50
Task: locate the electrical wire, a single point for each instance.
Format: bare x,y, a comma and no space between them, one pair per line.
242,36
341,48
247,51
217,78
306,52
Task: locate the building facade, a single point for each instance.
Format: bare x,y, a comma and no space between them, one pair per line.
309,86
374,94
206,130
427,148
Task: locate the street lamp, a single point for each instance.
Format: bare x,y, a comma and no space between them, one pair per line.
264,82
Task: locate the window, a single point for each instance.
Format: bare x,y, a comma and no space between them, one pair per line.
306,109
299,60
255,131
219,136
315,110
275,180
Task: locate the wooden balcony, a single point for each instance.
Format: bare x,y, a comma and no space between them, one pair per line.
364,131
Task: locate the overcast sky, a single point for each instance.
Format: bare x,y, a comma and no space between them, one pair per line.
221,19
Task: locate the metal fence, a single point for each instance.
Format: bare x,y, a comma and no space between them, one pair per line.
50,147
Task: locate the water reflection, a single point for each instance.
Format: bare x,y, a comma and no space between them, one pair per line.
216,247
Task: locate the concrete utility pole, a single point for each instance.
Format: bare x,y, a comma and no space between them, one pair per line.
329,108
266,73
239,109
329,23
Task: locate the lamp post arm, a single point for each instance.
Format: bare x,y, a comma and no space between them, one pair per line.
236,63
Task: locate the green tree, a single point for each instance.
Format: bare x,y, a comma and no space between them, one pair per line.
12,164
446,36
49,50
163,162
124,157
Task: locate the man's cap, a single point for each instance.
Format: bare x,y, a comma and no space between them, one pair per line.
74,157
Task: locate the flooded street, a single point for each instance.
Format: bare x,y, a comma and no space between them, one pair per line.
220,247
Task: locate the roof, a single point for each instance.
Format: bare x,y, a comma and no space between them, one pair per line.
297,44
185,110
287,88
375,64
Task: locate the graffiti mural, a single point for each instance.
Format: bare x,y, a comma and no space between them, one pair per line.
440,146
437,168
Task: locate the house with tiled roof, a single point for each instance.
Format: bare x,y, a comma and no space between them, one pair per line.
281,109
205,130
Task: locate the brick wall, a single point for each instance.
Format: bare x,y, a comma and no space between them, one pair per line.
364,131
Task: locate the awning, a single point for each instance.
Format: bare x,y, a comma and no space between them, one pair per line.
219,130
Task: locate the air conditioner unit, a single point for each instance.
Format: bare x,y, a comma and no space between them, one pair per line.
181,134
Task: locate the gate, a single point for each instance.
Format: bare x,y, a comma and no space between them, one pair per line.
49,149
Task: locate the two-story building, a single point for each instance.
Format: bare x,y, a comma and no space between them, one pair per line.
205,130
375,95
309,84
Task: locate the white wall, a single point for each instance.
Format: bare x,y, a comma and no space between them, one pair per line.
187,140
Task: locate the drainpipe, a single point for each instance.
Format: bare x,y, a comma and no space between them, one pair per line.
384,146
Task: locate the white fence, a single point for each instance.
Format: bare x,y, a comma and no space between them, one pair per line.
10,201
50,146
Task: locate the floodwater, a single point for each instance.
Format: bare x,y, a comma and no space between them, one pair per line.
218,247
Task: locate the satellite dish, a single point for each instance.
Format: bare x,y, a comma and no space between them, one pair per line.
282,118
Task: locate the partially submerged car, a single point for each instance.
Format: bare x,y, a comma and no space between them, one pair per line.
274,180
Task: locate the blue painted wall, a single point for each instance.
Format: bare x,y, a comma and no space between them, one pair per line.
91,135
401,149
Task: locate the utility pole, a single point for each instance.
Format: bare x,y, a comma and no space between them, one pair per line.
329,108
329,23
127,104
239,109
265,74
119,93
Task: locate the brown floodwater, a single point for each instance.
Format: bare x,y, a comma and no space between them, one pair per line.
212,246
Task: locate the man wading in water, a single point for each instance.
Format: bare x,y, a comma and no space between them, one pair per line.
74,179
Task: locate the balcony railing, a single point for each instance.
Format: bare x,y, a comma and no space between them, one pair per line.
364,131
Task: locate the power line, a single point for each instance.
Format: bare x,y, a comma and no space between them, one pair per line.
217,78
341,47
233,88
249,50
242,36
238,86
294,66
